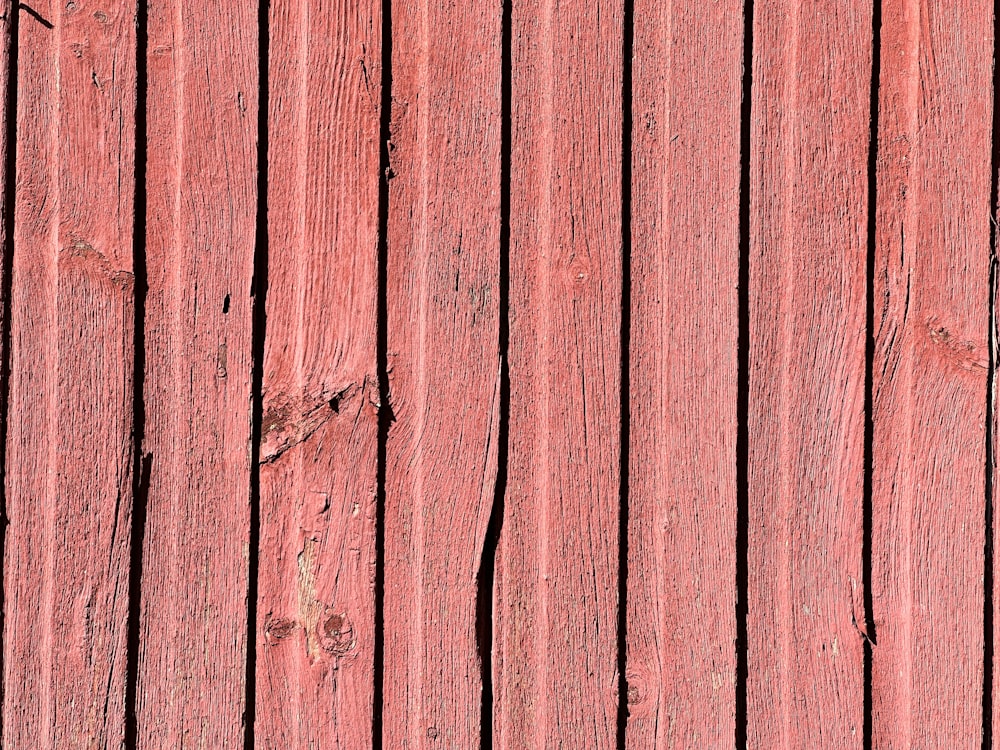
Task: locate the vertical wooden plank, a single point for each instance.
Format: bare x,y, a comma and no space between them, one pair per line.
931,327
443,334
808,257
316,618
69,448
557,561
202,140
684,323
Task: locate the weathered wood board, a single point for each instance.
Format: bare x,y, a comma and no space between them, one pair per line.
806,416
931,287
556,594
68,471
201,193
442,303
681,585
315,612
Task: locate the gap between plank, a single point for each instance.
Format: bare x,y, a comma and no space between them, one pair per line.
867,513
10,180
988,581
628,43
743,386
142,464
487,568
258,291
989,541
385,416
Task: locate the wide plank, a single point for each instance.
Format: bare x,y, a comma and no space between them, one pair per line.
69,452
316,608
931,325
807,326
681,595
556,601
442,301
200,234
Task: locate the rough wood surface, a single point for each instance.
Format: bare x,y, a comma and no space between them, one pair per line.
681,594
315,615
931,328
835,294
556,600
201,216
69,449
443,360
808,255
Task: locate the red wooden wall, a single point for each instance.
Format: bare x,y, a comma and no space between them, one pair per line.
520,374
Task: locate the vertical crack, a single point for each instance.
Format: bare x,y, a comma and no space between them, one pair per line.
743,385
142,464
628,42
988,582
258,291
867,511
487,567
988,578
385,416
9,30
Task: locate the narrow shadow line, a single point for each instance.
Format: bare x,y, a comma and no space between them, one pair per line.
743,386
385,415
487,567
142,465
258,291
6,288
867,511
628,43
988,551
989,542
140,493
34,14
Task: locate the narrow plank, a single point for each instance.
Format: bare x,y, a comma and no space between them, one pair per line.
806,423
681,627
201,197
69,449
556,605
70,503
316,612
931,327
443,360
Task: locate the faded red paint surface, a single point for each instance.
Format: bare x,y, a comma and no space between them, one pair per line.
415,374
930,375
316,605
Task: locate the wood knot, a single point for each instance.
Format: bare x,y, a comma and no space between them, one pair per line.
641,691
279,628
579,268
961,353
82,257
336,634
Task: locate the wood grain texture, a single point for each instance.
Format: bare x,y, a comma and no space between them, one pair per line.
931,327
556,599
69,448
808,255
316,616
201,197
681,664
443,361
